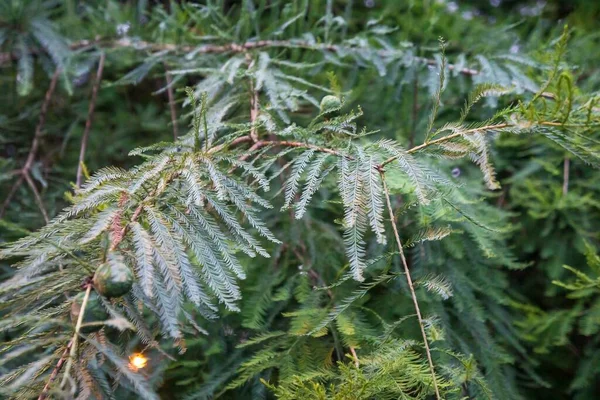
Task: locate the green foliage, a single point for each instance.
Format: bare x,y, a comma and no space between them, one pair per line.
346,210
25,28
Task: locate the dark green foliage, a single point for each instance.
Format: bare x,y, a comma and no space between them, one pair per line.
25,32
322,199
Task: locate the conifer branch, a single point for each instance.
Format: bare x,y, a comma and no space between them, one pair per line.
410,283
483,129
420,147
88,122
181,218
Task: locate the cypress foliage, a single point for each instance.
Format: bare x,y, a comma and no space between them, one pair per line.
320,206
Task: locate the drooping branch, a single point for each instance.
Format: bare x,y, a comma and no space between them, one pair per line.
88,122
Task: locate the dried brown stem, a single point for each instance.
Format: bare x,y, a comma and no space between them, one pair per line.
34,144
88,122
410,283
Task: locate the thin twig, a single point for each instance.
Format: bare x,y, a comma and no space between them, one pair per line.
253,115
73,350
88,122
287,143
234,142
42,120
34,144
355,357
70,350
171,103
36,194
59,364
253,148
410,283
566,171
11,193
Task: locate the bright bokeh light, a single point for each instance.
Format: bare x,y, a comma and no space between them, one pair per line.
137,361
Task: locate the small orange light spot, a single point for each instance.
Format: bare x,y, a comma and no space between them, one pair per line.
137,361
